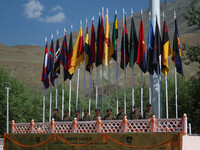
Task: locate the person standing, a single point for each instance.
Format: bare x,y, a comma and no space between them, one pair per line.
66,116
86,116
56,115
148,113
97,114
77,116
109,115
135,114
120,115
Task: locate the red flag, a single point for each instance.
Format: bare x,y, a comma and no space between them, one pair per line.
93,43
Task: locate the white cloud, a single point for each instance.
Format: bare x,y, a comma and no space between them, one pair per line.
33,9
60,17
57,8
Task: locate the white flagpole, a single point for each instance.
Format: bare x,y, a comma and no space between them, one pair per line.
97,88
90,81
142,83
176,97
50,103
133,101
109,71
44,106
57,85
84,74
124,63
117,100
70,87
63,85
78,81
102,76
150,76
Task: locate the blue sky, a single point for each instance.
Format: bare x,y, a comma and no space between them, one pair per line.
28,22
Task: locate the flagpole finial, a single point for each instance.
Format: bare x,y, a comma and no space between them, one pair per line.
141,12
174,15
93,18
86,21
65,31
131,12
71,27
45,40
81,22
163,15
115,11
57,32
52,36
99,14
149,15
107,11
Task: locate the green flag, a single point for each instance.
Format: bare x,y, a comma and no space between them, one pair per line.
133,44
114,38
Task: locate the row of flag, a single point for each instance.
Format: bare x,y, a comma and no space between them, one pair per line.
104,47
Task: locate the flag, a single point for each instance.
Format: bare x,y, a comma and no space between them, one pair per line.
57,61
156,49
166,50
77,56
133,44
93,43
51,63
63,56
126,47
69,53
45,78
150,49
114,38
100,42
108,52
176,53
141,49
88,52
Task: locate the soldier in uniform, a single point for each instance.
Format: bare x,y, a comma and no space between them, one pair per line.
66,116
109,115
97,114
77,116
86,116
120,115
135,114
56,115
148,113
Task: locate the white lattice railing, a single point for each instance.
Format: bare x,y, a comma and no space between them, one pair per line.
143,125
1,141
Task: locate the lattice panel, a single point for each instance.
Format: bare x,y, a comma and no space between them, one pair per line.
86,127
22,128
42,127
139,125
112,126
1,141
63,127
170,125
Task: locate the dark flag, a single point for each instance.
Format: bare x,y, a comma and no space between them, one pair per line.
133,44
45,78
166,50
156,49
114,38
69,53
93,43
100,42
57,61
63,56
126,47
150,49
51,63
88,52
176,53
141,49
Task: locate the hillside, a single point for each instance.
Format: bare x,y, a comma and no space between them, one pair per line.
25,61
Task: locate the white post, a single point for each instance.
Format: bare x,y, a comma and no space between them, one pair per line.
97,88
141,93
150,76
50,102
185,124
124,63
156,96
56,92
70,91
167,114
7,88
117,99
44,106
102,76
90,89
77,87
175,74
63,85
190,129
133,101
